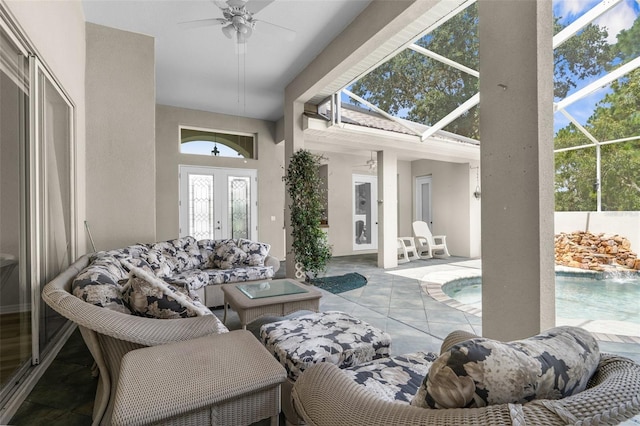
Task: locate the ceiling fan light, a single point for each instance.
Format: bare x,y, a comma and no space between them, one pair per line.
243,28
229,31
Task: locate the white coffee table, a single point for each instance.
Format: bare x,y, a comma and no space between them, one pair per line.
275,297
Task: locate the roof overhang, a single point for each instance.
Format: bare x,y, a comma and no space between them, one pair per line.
321,135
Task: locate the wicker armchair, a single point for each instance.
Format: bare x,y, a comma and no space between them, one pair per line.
109,335
324,395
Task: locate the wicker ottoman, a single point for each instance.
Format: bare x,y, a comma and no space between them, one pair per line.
334,337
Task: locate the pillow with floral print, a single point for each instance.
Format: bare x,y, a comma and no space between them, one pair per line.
149,296
256,252
228,256
481,372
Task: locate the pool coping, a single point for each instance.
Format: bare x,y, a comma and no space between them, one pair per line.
432,284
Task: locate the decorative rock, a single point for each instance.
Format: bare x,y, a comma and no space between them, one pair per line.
585,250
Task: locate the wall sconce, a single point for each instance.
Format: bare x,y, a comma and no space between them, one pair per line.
476,193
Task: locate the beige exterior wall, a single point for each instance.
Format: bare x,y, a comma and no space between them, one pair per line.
57,31
341,169
120,93
455,213
270,167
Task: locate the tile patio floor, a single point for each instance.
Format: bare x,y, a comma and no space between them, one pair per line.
392,300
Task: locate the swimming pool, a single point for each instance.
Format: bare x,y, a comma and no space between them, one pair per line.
615,299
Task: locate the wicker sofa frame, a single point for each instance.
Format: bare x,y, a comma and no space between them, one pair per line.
109,335
325,395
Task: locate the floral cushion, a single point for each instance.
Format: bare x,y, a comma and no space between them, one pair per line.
228,256
330,336
256,252
234,275
149,296
98,283
480,372
193,279
394,379
211,247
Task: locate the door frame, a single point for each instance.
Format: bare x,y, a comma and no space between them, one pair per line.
420,181
373,180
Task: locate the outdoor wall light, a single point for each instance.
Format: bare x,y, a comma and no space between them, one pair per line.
476,193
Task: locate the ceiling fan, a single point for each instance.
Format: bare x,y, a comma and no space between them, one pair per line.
371,164
238,21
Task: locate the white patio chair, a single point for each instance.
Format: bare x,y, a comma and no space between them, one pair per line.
407,250
429,245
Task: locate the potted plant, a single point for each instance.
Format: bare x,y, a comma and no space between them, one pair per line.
310,246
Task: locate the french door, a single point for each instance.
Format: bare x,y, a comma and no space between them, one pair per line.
423,199
365,212
218,203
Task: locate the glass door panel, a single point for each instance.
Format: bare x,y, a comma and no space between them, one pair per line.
365,212
239,191
201,215
423,199
54,195
15,292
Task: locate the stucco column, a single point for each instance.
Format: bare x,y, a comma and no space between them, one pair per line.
387,209
293,141
516,154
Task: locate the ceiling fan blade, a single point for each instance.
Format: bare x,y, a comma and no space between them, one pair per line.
256,6
221,4
203,23
276,30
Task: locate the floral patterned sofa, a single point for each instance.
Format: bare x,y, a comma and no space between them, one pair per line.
192,270
116,297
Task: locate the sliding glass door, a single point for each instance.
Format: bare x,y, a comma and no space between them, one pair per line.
53,177
37,205
15,292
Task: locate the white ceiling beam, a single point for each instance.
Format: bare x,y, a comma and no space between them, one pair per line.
433,55
598,84
583,21
381,112
470,103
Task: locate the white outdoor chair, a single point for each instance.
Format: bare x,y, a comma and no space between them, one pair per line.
407,250
428,245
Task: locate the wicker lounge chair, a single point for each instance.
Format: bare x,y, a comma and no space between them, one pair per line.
325,395
109,335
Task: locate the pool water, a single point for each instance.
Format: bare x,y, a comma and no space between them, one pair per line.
576,298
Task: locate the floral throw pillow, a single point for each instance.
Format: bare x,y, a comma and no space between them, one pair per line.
256,252
228,256
149,296
480,372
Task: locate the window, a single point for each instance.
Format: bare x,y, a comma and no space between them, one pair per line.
216,143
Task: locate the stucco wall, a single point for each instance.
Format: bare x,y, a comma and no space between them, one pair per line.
120,137
270,167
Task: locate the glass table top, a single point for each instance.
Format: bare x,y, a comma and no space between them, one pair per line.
270,289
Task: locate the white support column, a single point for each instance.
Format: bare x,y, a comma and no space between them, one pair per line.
293,141
387,209
516,124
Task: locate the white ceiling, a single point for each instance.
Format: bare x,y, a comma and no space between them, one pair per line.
198,68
